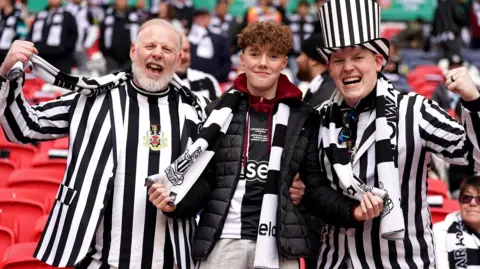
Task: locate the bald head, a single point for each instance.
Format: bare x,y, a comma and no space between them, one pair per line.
161,23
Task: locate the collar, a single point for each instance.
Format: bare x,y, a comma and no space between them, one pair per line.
366,104
197,33
315,84
147,93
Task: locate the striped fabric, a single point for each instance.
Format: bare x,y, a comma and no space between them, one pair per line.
202,84
94,125
423,129
348,23
462,246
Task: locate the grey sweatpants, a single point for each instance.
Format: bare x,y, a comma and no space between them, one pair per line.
237,254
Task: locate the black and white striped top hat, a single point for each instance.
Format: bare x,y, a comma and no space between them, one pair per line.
347,23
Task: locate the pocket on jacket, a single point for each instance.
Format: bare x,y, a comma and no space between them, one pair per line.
65,195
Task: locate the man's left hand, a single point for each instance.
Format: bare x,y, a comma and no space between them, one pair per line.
297,190
459,81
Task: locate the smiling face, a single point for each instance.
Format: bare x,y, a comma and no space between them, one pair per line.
354,71
185,63
262,68
155,55
470,211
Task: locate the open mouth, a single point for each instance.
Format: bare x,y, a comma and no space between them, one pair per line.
351,81
155,68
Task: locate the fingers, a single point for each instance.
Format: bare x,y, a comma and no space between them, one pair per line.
371,206
297,177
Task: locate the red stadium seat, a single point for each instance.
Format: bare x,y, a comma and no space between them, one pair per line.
8,231
61,143
439,213
28,206
39,227
20,256
44,160
35,182
21,155
390,32
39,173
438,187
6,169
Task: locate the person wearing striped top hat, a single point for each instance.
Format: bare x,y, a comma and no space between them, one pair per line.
373,138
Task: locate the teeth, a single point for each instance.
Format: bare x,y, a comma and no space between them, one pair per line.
351,79
155,66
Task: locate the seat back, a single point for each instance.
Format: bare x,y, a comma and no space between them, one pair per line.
8,231
7,167
21,155
44,160
20,256
437,187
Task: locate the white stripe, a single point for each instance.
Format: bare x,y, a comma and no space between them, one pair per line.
335,25
353,8
346,32
329,28
363,20
48,231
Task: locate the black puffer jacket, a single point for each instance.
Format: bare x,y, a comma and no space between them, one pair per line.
300,154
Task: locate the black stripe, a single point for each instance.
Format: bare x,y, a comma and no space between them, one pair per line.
336,249
150,209
35,126
92,142
129,187
271,184
420,229
350,22
409,153
444,144
54,104
379,49
107,223
178,254
185,241
392,255
122,92
375,233
56,117
340,26
326,242
175,126
48,249
337,155
446,126
359,240
359,21
383,151
367,19
168,260
374,19
279,135
324,27
331,30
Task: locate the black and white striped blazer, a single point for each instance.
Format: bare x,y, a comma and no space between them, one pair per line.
92,124
423,129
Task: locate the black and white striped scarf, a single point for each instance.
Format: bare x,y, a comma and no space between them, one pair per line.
462,246
180,176
392,226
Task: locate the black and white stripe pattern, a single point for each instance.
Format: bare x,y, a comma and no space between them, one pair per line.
219,26
266,251
132,24
202,84
87,30
94,125
301,29
462,246
348,23
392,226
423,129
53,21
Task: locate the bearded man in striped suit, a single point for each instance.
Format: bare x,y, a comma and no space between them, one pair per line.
122,128
373,138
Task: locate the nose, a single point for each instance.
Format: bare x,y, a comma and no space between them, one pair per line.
263,60
157,53
348,66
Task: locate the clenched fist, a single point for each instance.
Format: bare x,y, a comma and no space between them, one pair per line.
159,196
459,81
20,51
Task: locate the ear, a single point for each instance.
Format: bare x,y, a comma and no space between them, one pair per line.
132,51
242,60
285,61
179,58
379,62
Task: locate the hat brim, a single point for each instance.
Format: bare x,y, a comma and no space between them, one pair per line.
379,45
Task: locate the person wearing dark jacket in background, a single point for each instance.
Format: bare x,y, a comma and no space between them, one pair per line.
250,219
313,68
54,33
117,32
448,20
12,26
209,51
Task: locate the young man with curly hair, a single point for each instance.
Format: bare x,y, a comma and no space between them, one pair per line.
251,216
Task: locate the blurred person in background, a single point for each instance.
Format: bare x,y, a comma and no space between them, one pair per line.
12,26
445,98
167,12
88,31
199,82
448,20
117,32
313,69
412,36
221,20
54,32
457,238
301,24
185,11
474,17
209,51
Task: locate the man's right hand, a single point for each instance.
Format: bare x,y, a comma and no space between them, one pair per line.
159,196
19,51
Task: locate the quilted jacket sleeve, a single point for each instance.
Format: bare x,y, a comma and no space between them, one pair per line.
320,199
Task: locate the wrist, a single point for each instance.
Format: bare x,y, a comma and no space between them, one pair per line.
471,96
